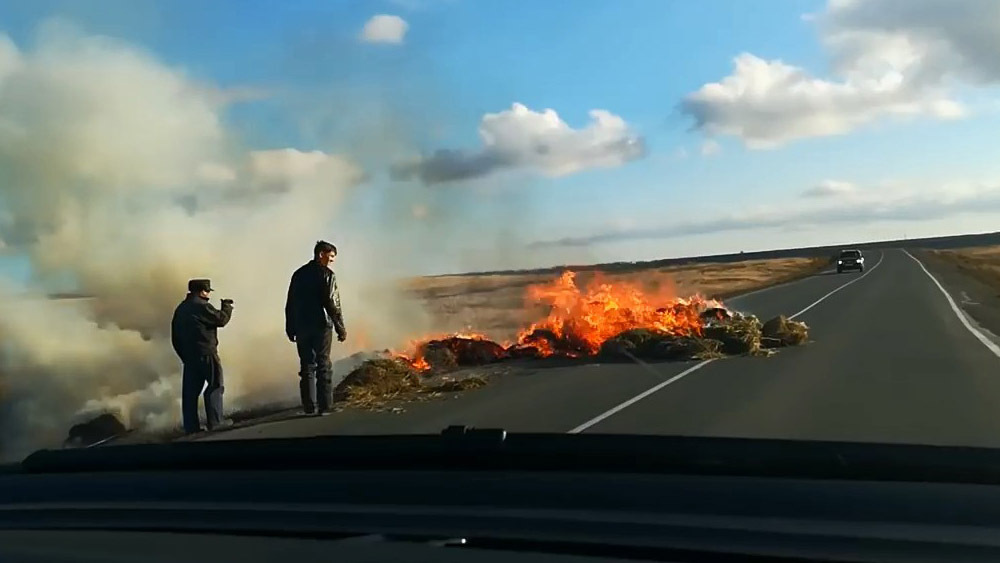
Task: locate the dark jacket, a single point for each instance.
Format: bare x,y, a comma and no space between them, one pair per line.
313,303
194,328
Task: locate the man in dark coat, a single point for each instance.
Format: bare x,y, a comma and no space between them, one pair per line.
194,334
312,315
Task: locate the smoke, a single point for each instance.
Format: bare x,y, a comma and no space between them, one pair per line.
117,173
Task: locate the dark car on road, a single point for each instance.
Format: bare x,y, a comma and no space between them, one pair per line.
850,260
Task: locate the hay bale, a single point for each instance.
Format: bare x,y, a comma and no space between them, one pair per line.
540,338
100,428
636,342
472,351
657,345
519,351
549,343
740,334
544,343
614,348
715,314
377,380
439,357
346,365
685,348
781,331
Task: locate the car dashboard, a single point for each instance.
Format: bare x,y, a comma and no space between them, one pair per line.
491,512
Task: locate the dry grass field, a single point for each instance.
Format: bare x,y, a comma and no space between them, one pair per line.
982,263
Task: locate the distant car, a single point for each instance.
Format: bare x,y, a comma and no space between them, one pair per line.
850,260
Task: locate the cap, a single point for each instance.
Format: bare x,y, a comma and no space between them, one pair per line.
195,286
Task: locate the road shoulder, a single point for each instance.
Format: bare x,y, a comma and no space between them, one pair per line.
978,300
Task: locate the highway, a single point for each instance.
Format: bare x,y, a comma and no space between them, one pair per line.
890,361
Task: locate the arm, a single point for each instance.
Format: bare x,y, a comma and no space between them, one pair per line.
175,339
290,311
214,317
332,305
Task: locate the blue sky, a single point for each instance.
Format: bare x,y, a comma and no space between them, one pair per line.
808,109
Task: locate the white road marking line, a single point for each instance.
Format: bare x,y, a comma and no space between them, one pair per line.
855,280
958,312
696,367
638,397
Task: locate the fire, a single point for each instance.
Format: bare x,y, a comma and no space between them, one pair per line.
584,319
578,323
420,363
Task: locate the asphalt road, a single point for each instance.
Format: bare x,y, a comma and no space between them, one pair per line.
890,361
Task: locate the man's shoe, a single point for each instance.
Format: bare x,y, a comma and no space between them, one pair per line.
223,424
322,412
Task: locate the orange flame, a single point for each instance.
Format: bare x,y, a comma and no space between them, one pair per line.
587,318
420,363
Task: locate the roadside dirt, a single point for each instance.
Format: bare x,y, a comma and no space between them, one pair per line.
972,278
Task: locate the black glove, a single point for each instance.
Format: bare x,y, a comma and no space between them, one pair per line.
342,336
291,337
227,302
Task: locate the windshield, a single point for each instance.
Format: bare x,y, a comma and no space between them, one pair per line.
236,220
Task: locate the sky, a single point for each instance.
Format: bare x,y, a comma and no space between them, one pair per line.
521,134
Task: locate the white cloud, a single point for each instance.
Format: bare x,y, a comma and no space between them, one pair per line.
929,40
767,103
831,188
891,58
384,28
709,148
539,141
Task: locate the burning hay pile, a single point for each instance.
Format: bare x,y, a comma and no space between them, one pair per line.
607,321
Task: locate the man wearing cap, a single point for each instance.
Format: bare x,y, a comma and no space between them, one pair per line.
194,334
312,314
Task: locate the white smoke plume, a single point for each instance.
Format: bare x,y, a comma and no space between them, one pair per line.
117,172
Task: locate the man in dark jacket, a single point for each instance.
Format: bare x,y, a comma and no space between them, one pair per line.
312,314
194,334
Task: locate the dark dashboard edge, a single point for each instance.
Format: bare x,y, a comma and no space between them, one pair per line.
495,450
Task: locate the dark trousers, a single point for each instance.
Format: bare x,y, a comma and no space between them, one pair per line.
315,370
202,372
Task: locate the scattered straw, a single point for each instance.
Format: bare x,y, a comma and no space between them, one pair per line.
780,331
